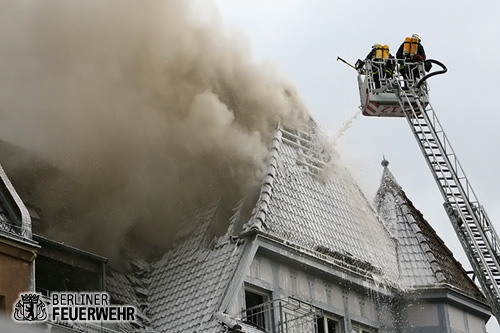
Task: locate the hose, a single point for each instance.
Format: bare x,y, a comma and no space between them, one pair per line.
444,70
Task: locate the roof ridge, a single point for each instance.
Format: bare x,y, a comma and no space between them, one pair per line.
389,182
258,219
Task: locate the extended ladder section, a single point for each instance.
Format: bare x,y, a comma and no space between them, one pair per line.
471,223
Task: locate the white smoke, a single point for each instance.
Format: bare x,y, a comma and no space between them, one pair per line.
148,109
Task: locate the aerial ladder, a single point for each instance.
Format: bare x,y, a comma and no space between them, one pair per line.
398,95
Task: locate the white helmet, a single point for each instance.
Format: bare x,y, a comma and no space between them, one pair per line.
416,36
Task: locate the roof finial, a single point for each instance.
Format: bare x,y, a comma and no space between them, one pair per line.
385,162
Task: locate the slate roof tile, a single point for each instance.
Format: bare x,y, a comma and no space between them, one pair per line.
332,214
186,285
424,257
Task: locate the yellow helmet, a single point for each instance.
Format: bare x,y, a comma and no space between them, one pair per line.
416,36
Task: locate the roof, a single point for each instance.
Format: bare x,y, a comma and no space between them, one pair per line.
51,247
424,258
186,287
131,289
188,283
307,200
311,200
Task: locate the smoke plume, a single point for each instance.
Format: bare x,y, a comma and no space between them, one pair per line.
141,110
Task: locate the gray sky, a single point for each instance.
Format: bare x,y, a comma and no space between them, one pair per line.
304,38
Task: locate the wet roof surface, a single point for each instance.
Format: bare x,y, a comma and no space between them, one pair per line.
322,210
188,283
424,258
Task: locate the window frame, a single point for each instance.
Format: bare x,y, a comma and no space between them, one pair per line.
325,319
266,313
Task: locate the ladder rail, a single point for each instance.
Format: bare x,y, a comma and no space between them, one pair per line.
461,178
469,219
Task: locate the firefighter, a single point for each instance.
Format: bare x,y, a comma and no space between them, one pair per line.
383,67
411,51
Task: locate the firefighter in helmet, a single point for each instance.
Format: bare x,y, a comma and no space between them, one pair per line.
409,53
382,66
411,49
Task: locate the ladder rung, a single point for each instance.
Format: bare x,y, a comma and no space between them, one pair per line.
442,162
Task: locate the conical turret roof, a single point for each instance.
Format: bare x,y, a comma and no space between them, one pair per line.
424,259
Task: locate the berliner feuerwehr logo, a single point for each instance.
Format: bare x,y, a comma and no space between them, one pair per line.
76,307
30,307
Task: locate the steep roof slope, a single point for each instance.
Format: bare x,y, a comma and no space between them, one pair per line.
188,283
183,290
424,258
310,200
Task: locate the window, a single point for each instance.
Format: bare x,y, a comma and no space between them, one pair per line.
327,325
257,310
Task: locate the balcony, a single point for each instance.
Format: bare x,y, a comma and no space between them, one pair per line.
286,315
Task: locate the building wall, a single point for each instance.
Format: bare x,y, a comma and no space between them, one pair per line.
16,275
425,317
356,303
462,321
341,300
434,317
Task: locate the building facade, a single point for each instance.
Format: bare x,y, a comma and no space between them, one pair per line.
312,256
